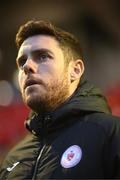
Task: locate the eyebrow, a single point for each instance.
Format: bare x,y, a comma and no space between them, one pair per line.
43,50
35,51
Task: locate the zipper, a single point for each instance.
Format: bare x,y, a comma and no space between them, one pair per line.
37,163
41,151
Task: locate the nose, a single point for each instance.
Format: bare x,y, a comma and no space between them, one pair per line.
29,66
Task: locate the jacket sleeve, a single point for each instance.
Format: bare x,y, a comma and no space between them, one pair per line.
111,152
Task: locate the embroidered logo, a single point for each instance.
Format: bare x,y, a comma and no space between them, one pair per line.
13,166
71,157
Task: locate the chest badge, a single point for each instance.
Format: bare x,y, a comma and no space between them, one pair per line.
71,157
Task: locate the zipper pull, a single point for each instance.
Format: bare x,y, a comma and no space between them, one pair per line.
47,121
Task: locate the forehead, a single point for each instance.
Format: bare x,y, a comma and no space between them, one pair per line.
39,42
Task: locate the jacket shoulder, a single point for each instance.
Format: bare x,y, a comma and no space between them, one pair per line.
109,123
19,149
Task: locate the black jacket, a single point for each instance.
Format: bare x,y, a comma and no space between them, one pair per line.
79,140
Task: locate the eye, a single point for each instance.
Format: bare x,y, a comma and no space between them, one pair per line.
43,57
21,61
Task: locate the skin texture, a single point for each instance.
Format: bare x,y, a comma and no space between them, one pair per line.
44,79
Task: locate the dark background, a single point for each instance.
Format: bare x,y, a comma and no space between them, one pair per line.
96,23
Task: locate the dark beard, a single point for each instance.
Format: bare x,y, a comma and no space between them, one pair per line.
58,92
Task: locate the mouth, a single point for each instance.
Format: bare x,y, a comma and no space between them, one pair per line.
29,83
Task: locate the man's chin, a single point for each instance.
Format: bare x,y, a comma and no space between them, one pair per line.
35,104
31,101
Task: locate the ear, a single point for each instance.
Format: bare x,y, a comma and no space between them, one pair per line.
76,70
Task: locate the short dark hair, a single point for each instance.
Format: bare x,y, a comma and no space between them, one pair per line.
68,43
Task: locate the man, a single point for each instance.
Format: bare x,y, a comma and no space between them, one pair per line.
72,132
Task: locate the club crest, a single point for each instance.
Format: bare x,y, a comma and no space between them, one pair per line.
71,157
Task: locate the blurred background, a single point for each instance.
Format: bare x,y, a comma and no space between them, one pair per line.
97,26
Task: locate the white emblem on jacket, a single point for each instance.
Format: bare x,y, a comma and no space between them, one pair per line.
71,157
13,166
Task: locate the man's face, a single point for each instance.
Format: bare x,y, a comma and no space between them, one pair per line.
43,78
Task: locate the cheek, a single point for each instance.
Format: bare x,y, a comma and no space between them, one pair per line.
20,79
46,70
